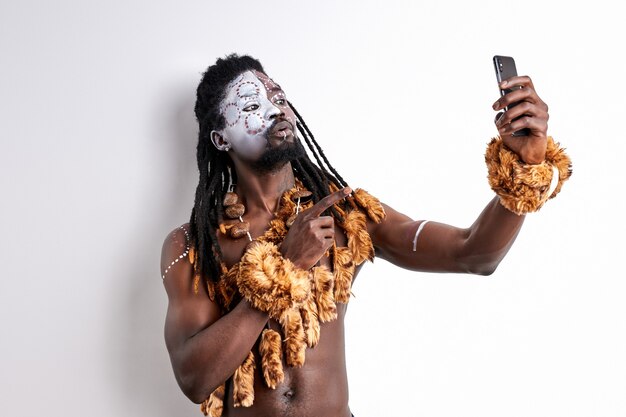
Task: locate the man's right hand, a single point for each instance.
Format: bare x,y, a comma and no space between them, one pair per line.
312,234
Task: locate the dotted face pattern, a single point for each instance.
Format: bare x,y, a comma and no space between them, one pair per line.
275,93
246,92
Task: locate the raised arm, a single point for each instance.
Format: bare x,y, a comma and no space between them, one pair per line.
204,348
534,162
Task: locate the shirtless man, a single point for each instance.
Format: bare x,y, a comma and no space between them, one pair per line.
246,121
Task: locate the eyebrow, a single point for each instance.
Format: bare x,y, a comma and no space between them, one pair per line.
248,91
277,88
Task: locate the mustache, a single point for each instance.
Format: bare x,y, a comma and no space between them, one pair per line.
272,127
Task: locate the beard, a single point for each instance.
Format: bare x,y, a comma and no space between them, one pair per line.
275,157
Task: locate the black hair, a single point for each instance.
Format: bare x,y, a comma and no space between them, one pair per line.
217,172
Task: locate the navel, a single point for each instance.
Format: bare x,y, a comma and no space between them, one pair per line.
289,394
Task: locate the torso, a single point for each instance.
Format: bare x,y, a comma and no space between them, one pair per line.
320,386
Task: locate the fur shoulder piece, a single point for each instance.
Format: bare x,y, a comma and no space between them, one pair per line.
370,204
359,240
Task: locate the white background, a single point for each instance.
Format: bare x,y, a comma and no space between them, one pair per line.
98,165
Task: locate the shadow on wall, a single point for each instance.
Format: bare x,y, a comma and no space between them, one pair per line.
142,371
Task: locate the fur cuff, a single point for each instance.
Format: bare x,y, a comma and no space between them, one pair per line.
270,282
524,188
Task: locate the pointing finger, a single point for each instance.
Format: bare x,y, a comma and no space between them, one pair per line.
328,201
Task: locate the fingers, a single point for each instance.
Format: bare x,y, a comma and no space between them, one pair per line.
524,108
521,80
523,94
512,113
522,90
324,230
327,202
533,123
323,222
519,110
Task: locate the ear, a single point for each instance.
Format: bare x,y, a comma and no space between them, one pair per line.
219,142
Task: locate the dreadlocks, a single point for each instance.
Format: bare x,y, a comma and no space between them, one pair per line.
217,172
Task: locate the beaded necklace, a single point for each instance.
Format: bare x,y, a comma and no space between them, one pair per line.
234,209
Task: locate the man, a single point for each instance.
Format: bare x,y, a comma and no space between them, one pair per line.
254,325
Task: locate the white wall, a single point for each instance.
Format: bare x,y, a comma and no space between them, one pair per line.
98,165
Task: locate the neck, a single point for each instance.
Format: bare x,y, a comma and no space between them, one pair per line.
263,191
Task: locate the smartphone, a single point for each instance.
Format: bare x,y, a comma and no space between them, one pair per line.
505,69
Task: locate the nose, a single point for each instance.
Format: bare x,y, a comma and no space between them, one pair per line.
274,112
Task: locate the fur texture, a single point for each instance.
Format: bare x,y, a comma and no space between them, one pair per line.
271,358
310,322
359,240
270,282
344,270
295,344
243,383
214,405
227,287
210,287
192,255
557,157
323,282
522,188
298,299
371,204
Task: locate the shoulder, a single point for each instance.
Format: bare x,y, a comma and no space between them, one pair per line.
175,249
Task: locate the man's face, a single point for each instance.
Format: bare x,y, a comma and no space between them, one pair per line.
258,118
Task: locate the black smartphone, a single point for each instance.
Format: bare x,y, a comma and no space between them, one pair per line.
505,69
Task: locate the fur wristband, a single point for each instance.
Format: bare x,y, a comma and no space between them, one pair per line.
524,188
270,282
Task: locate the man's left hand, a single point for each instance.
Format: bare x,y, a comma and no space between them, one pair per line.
532,113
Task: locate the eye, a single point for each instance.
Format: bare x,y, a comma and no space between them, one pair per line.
281,101
251,107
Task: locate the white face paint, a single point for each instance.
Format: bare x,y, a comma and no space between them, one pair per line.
248,113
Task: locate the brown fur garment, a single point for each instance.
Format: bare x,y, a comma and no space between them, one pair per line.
371,204
210,287
522,187
310,322
227,287
192,255
271,357
323,282
295,345
557,157
276,232
270,282
344,270
214,405
243,383
359,241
